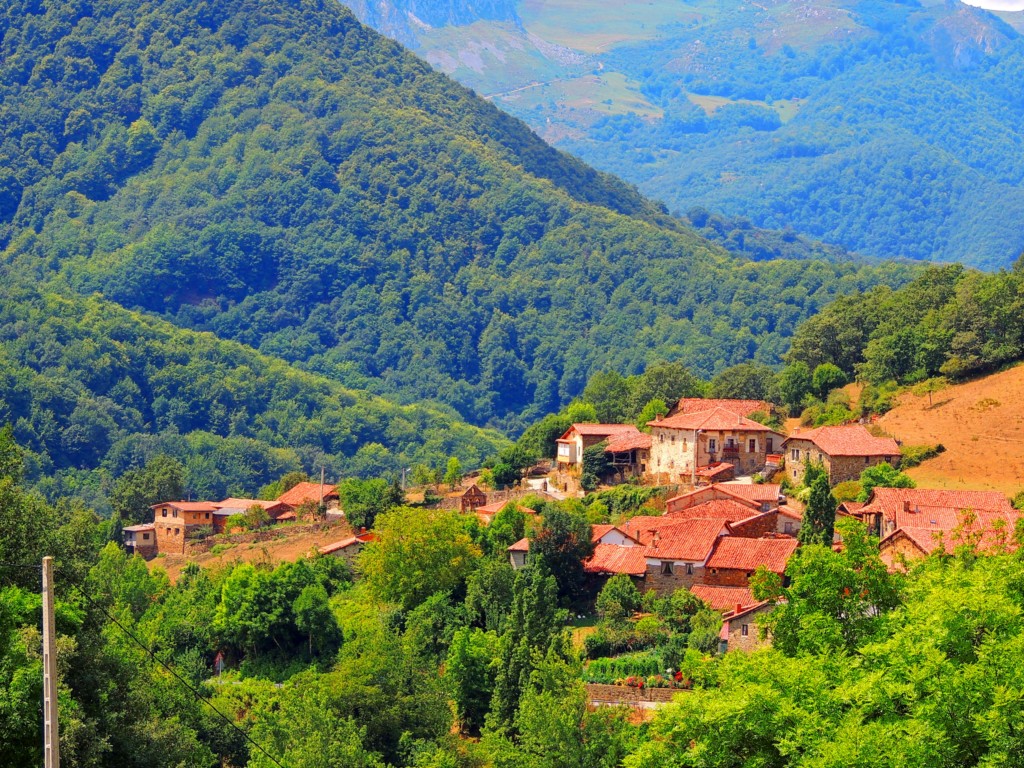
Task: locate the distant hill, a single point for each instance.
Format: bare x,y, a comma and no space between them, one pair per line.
889,128
286,178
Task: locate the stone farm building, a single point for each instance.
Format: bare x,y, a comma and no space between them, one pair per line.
682,444
844,451
578,437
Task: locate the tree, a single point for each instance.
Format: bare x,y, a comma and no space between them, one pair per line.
795,383
507,527
255,517
667,382
453,473
619,598
654,410
364,500
562,543
469,672
826,378
418,553
835,600
489,593
315,619
607,392
162,479
746,381
883,475
12,457
820,516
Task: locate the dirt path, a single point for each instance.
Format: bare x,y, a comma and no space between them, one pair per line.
981,423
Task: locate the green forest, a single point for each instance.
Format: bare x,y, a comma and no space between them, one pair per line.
434,653
889,127
294,182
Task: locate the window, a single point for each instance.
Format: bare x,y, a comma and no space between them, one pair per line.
164,511
686,446
769,444
563,449
743,630
666,569
752,445
177,531
866,459
207,515
145,537
689,569
712,445
787,528
672,439
795,453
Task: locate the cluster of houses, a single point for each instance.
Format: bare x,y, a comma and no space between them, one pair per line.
713,538
176,522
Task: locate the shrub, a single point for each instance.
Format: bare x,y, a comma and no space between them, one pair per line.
912,455
848,491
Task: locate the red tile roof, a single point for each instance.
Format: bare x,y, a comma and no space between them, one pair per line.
711,471
359,538
629,442
233,503
137,528
714,419
747,554
727,510
753,491
739,407
611,558
599,430
493,508
523,545
669,539
849,440
188,506
597,532
891,501
724,598
302,492
989,531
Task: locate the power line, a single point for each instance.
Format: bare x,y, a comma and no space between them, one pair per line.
153,657
195,691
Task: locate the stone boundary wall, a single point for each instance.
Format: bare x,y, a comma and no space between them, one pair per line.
493,497
249,537
622,694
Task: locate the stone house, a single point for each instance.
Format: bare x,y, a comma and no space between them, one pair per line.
844,451
736,558
682,444
175,520
739,407
889,509
470,499
518,552
675,550
578,437
740,628
348,548
629,454
311,493
760,497
140,540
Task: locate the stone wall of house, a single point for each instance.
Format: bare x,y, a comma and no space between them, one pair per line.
167,541
726,577
844,468
757,527
145,551
897,550
664,584
752,641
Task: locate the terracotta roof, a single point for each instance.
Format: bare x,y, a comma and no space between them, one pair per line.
724,598
748,609
890,501
711,471
611,558
493,508
523,545
852,507
188,506
739,554
137,528
629,442
739,407
303,492
689,540
287,516
597,532
599,430
728,510
849,440
360,538
985,530
714,419
753,491
787,511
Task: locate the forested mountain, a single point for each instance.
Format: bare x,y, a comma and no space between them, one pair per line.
286,178
889,127
93,390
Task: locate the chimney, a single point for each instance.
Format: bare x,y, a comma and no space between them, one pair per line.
906,506
739,607
362,529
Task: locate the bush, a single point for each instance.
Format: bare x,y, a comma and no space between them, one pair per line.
848,491
619,598
912,455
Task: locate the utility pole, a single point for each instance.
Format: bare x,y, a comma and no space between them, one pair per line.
322,486
51,738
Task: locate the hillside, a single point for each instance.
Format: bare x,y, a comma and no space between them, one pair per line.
295,182
981,425
889,128
93,390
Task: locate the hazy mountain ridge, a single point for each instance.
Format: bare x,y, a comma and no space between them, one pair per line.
889,128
